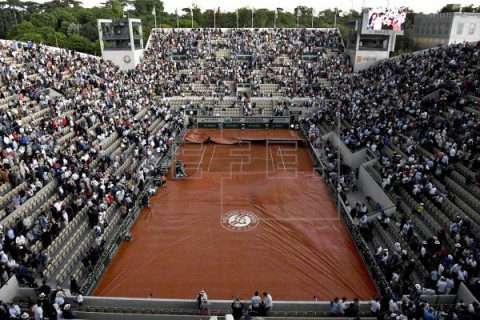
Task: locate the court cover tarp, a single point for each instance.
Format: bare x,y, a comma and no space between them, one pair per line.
233,136
244,219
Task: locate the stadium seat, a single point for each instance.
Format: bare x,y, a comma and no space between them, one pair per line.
119,310
147,310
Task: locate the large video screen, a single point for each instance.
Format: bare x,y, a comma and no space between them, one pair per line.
384,20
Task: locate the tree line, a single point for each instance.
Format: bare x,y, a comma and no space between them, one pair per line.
66,24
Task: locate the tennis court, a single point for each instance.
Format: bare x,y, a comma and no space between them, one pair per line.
247,157
250,215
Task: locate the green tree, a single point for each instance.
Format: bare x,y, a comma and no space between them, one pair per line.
261,18
227,20
117,9
244,17
11,13
404,44
198,17
45,19
45,31
145,7
58,21
206,18
73,28
64,27
56,39
22,28
86,15
305,16
451,8
286,20
55,4
32,7
64,15
327,18
89,30
30,36
79,43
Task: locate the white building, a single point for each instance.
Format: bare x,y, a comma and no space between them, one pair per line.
445,28
367,50
121,41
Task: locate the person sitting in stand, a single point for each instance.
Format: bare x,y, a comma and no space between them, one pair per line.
200,296
255,304
237,308
205,307
68,313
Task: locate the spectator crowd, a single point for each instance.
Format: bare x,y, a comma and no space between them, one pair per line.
419,114
75,128
73,122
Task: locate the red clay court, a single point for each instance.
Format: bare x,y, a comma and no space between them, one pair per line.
250,215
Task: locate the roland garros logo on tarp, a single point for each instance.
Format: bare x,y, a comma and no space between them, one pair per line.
239,220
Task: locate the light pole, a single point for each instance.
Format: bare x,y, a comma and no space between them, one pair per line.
313,15
299,13
253,12
191,15
154,12
176,15
335,20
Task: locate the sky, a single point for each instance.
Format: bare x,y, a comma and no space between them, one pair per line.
430,6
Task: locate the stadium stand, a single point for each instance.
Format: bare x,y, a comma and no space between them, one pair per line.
418,115
80,140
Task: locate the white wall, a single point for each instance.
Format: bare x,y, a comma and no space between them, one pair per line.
117,57
465,294
370,187
349,158
10,290
443,29
465,34
137,57
364,59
